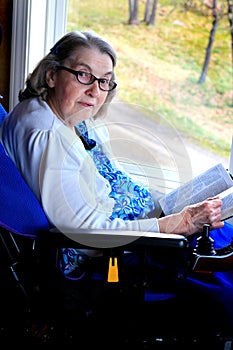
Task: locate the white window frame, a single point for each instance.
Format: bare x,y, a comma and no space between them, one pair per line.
36,26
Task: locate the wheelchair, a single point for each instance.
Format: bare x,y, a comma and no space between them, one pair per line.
118,303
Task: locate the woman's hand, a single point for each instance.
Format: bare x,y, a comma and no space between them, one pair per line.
192,218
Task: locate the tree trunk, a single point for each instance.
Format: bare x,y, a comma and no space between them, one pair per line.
210,44
147,12
153,13
230,16
133,12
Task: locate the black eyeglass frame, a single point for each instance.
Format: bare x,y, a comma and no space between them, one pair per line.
93,78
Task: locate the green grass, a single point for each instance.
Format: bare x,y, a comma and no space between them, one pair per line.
159,66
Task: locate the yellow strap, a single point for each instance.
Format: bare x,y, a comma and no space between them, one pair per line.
113,270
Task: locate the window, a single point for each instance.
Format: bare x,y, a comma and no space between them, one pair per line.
36,25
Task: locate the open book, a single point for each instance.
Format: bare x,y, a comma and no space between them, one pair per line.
214,181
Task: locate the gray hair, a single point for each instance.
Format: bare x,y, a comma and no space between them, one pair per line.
61,52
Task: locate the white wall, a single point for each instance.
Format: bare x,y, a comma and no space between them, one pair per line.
36,26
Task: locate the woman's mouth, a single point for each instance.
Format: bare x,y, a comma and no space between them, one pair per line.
86,105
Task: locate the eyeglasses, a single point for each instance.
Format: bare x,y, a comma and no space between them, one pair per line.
88,79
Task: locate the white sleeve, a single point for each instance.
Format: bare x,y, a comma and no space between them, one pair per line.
74,195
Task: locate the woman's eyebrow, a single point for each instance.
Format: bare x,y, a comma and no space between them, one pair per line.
90,69
84,64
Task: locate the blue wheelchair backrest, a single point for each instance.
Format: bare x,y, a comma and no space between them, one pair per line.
20,210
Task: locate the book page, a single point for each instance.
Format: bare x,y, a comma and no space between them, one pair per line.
227,203
231,158
208,184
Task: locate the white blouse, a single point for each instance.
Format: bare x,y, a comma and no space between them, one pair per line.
56,166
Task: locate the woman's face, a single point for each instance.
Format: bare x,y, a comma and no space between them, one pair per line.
72,101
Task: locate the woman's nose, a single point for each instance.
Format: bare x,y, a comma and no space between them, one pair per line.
94,89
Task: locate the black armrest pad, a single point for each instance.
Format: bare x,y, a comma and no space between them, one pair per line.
87,238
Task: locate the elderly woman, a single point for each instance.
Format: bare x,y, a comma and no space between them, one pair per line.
58,141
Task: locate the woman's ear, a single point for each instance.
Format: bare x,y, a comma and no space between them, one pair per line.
51,78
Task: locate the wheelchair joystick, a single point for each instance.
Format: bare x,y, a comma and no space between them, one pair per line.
204,244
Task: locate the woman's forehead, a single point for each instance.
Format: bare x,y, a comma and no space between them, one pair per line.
93,58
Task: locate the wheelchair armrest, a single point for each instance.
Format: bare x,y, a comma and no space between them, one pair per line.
93,238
